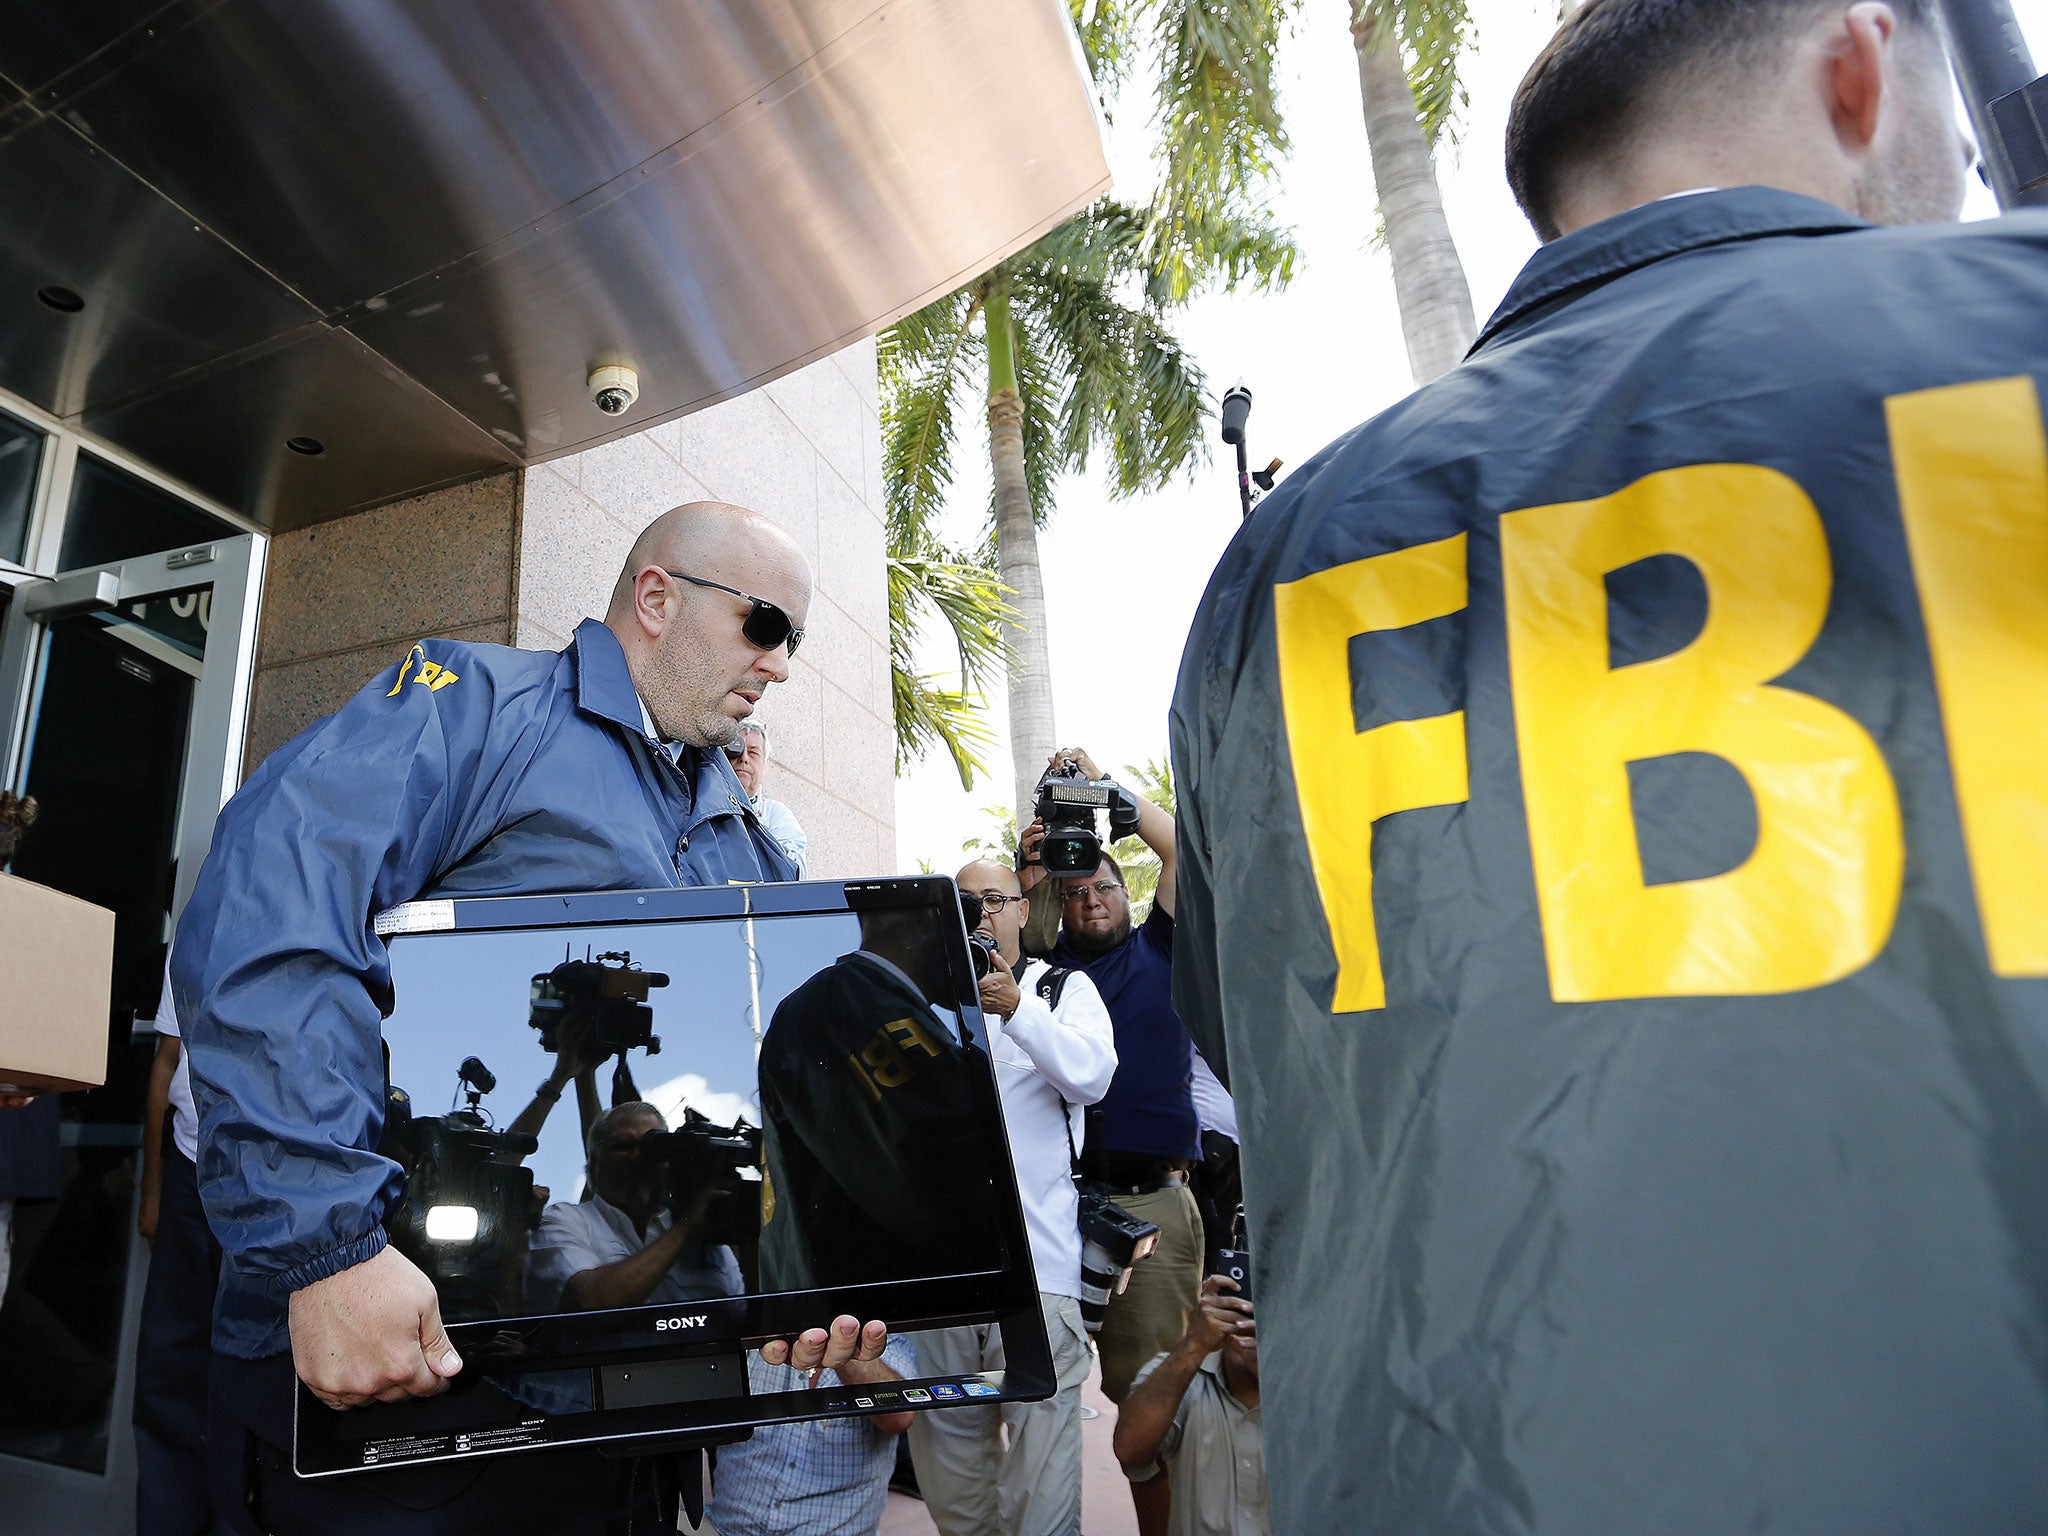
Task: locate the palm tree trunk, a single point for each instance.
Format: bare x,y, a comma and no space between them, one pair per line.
1429,280
1030,660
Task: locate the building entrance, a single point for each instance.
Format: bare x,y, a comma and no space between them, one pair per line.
121,693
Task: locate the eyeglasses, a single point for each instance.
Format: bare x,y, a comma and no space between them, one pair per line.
1101,888
992,902
765,626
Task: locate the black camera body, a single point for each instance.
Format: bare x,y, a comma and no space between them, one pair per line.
699,1154
607,995
1068,802
980,947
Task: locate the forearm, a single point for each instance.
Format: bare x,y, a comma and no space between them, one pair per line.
626,1282
535,1115
160,1073
1147,1413
1156,831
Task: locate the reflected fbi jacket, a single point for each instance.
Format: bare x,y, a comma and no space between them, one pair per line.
871,1137
464,770
1636,991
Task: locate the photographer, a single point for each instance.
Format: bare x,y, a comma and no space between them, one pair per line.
1054,1051
635,1240
1194,1414
1145,1136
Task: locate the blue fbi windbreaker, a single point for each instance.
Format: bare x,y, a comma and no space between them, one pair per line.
1614,848
463,770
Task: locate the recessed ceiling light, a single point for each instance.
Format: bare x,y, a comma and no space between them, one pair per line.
311,447
63,300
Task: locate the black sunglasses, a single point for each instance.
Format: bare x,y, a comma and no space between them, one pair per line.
765,626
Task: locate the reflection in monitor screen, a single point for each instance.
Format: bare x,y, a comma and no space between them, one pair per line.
678,1111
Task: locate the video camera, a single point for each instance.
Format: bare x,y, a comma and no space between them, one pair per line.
699,1154
1068,802
1112,1240
607,996
468,1203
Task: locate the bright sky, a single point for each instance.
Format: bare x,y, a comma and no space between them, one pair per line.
1123,578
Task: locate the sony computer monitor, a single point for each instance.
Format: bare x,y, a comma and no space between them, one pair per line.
824,1138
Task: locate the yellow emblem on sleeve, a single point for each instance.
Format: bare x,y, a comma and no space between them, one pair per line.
432,673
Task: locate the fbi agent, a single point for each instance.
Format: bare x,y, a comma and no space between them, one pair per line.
461,770
1634,996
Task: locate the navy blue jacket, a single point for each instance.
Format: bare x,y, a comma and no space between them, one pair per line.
463,770
1613,804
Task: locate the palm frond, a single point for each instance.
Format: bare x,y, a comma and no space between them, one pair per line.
1109,42
929,714
925,361
1220,128
1197,247
1434,36
1131,388
926,577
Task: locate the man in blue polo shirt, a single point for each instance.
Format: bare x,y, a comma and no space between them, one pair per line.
1145,1136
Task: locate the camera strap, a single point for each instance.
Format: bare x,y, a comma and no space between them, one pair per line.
1050,984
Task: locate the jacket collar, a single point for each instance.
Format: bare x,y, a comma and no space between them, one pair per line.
1600,252
604,687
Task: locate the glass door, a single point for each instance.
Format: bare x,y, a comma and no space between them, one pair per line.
123,692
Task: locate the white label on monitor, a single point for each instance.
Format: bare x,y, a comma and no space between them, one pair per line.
416,917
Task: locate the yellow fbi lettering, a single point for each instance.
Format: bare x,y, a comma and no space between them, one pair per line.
1817,897
1815,900
1346,778
432,673
885,1061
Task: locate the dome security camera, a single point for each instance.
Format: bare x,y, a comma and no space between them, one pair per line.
614,388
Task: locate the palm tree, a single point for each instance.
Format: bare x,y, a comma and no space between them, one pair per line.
1408,53
1069,339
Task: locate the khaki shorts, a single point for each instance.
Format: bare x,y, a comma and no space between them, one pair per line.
1152,1313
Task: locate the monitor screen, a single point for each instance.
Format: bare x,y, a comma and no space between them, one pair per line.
642,1132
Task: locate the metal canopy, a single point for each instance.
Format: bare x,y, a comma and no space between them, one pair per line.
407,229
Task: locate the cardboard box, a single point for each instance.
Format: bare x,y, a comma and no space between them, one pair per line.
56,986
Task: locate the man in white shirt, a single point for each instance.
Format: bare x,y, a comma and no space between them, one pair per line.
749,755
1055,1052
633,1241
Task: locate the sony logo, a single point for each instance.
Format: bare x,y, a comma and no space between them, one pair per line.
662,1324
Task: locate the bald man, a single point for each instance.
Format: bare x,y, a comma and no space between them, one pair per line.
460,770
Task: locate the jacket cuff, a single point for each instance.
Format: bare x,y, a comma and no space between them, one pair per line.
334,1261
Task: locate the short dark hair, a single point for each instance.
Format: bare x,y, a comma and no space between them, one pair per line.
1589,87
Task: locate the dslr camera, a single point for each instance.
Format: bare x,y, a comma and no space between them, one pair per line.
1068,801
980,948
607,996
1112,1240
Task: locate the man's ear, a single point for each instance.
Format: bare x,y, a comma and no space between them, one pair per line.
652,594
1859,62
